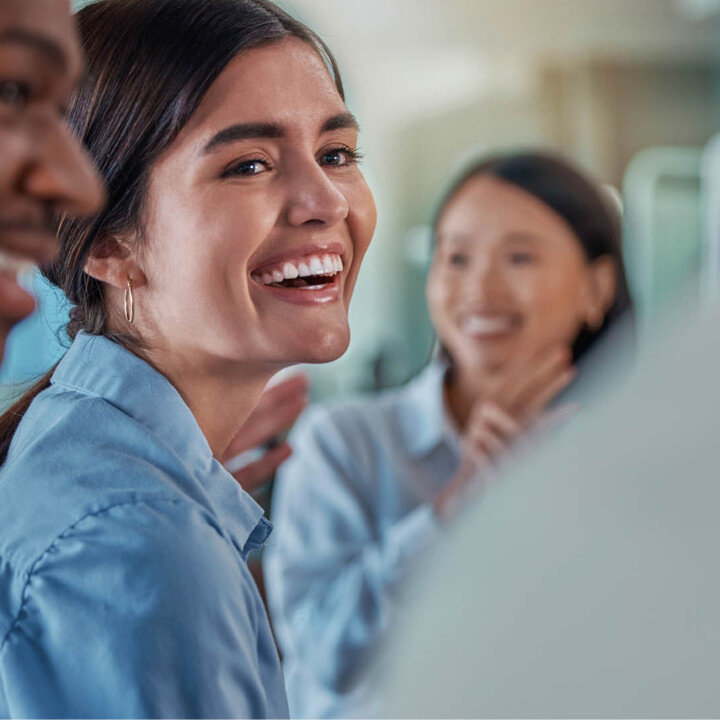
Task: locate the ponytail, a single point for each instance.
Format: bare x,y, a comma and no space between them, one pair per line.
11,418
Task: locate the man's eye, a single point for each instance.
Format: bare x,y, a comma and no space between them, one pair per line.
458,259
14,94
247,168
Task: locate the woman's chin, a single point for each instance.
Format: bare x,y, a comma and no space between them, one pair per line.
313,345
326,348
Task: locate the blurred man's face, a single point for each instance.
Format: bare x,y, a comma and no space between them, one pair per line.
42,168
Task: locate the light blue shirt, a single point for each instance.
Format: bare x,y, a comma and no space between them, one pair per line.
124,588
352,513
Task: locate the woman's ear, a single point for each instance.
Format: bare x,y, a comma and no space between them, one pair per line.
112,262
602,288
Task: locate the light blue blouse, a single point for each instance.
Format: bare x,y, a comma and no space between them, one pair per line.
124,588
352,514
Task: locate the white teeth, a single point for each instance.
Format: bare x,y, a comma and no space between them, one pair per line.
479,325
13,264
324,265
316,266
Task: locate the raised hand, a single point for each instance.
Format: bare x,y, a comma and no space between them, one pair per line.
279,407
505,415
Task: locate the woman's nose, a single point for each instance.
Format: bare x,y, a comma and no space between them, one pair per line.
485,282
315,198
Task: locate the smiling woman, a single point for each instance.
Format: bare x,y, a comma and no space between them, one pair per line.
230,159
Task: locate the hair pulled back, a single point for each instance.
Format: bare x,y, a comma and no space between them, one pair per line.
589,210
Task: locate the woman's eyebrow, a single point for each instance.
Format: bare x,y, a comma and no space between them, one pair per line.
523,236
341,121
242,131
245,131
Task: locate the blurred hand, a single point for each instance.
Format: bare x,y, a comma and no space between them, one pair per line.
515,407
276,412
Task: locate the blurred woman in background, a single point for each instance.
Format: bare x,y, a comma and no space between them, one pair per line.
235,224
526,277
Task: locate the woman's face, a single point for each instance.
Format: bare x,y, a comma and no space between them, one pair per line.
258,218
509,277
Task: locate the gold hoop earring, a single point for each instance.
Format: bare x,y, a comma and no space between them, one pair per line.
129,301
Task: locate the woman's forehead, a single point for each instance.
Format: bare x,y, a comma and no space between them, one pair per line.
285,84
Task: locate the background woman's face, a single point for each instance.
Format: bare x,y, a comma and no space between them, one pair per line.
259,190
508,279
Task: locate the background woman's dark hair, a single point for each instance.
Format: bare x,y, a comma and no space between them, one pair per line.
589,210
148,65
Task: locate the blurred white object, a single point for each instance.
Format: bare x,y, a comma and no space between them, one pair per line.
663,229
587,585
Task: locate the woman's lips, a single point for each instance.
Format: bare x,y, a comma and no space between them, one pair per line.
486,326
305,280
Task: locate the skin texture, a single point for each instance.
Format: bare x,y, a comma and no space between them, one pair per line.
506,258
214,331
42,168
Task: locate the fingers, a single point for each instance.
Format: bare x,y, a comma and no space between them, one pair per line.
537,382
490,414
546,394
277,410
253,476
484,441
282,392
490,430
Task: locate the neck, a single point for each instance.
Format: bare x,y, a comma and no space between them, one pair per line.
221,397
463,388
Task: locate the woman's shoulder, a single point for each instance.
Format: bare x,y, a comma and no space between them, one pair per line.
147,554
389,414
371,411
73,459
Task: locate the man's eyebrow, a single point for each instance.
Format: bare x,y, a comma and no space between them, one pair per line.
342,121
242,131
44,44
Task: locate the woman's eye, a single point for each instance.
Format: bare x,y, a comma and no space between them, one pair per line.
338,157
14,94
521,258
247,168
458,260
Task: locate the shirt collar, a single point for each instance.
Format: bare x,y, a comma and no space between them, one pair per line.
95,365
423,416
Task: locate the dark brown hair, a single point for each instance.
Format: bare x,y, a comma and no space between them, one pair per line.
592,214
148,65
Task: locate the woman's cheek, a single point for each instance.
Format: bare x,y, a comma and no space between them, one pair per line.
362,209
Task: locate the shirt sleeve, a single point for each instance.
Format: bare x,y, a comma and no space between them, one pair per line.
141,610
331,576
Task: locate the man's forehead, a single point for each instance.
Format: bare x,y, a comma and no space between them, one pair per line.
44,24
